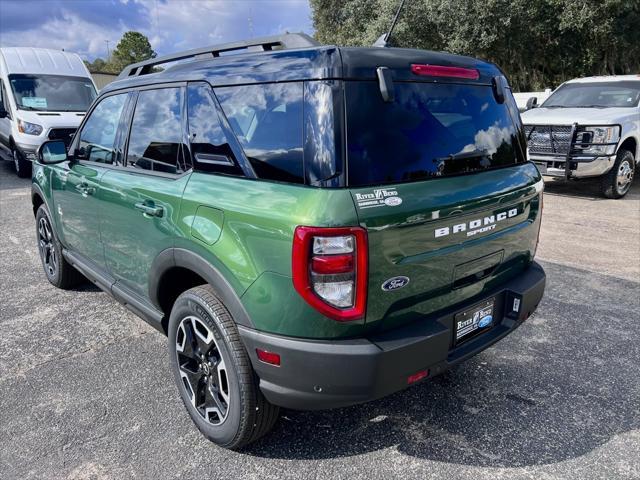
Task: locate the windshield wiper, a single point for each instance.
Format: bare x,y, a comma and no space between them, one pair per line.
591,106
33,109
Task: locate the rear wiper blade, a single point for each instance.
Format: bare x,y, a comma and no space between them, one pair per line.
463,155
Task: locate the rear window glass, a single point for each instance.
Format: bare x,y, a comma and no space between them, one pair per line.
428,131
267,120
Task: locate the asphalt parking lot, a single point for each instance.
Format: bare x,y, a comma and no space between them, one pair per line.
86,393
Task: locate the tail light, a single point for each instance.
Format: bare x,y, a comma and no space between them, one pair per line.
330,270
442,71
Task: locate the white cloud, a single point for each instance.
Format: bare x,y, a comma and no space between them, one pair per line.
171,26
70,33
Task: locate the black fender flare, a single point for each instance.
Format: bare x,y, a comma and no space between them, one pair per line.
36,190
180,257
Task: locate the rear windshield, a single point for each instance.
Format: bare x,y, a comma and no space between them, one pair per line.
428,131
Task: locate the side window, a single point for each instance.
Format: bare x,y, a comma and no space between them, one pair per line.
268,122
209,145
98,136
155,142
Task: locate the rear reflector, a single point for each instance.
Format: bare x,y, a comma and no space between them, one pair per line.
268,357
442,71
416,377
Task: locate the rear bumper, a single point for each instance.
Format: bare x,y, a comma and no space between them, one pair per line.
327,374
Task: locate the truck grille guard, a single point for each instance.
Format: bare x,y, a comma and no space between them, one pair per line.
560,141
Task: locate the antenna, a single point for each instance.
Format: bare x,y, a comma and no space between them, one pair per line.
383,40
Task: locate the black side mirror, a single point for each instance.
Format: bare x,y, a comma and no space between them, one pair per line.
52,151
532,103
3,112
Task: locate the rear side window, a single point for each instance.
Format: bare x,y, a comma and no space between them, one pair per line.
267,120
156,140
209,145
428,131
98,135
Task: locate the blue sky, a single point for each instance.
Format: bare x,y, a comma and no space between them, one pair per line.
83,26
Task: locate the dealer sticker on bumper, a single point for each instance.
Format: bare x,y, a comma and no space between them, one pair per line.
479,317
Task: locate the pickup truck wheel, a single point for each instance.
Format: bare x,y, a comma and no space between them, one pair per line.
617,182
22,166
59,272
213,372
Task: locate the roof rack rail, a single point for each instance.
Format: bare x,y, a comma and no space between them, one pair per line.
285,41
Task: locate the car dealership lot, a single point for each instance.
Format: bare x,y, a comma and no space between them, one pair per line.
86,391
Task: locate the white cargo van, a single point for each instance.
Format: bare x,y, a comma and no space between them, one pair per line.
44,95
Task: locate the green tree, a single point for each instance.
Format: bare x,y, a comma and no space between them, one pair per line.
538,43
133,47
100,65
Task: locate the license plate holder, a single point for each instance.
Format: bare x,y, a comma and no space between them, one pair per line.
474,320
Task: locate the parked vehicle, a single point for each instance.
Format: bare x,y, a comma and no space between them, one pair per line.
589,127
312,226
44,95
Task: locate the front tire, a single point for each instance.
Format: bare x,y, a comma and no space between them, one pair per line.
22,166
213,372
58,271
617,182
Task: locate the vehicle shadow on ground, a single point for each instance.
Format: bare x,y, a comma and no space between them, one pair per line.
524,402
586,188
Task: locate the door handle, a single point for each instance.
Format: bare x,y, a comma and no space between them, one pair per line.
150,210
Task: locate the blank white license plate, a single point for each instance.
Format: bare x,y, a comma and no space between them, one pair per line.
477,318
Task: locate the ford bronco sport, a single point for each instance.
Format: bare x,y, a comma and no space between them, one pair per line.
311,226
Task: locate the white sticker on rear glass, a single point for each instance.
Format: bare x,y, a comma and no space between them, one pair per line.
34,102
379,197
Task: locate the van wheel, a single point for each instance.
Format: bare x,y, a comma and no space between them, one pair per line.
59,272
213,372
617,182
22,166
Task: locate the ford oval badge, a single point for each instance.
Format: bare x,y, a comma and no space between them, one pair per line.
485,321
395,283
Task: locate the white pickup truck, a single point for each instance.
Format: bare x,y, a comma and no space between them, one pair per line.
588,127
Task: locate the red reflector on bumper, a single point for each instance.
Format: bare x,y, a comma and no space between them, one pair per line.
268,357
416,377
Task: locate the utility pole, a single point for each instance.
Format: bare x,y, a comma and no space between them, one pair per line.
250,20
108,51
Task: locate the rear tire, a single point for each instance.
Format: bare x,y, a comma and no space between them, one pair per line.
213,372
22,166
617,182
58,271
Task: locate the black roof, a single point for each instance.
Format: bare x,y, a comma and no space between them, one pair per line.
292,57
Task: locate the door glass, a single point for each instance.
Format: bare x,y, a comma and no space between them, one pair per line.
209,145
156,133
97,139
268,122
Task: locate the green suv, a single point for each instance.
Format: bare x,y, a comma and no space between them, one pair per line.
311,226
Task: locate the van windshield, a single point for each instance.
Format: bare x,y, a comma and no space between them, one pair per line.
52,93
428,131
